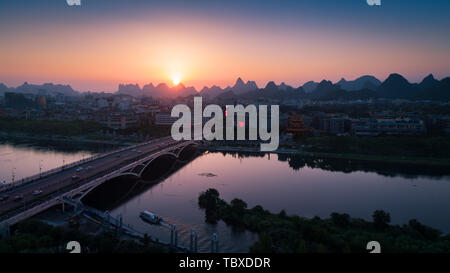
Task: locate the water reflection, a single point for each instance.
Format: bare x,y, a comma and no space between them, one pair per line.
297,162
305,186
23,158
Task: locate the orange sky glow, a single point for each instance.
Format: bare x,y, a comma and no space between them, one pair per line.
203,53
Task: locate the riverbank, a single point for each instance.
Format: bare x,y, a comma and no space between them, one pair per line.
282,233
8,136
38,237
441,162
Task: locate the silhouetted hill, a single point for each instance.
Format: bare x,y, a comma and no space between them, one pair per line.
341,94
226,96
310,86
130,89
439,90
364,82
272,91
323,89
428,82
3,89
397,87
162,90
211,92
240,87
285,87
44,89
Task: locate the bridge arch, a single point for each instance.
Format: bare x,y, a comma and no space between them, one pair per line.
138,171
182,149
120,183
161,163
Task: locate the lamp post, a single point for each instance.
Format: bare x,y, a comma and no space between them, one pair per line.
40,168
13,174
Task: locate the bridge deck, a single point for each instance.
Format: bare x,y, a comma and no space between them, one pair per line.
21,201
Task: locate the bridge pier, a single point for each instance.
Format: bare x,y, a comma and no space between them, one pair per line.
193,245
119,229
106,221
215,243
5,231
174,236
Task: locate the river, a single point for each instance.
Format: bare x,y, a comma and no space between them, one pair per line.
307,187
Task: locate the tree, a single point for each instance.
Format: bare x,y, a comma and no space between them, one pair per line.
238,205
381,219
342,220
208,199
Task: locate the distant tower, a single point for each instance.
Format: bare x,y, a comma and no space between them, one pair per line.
296,126
41,102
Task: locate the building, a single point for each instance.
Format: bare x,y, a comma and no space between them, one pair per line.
19,101
335,125
296,126
393,126
164,118
444,124
41,102
118,121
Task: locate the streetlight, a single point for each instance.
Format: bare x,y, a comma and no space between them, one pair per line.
40,168
13,175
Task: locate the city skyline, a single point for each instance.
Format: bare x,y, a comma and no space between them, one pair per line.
100,44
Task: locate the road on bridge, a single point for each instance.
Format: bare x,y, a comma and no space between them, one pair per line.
22,195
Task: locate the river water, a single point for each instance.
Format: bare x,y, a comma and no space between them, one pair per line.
23,158
306,187
310,189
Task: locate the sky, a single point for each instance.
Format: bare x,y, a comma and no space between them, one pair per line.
102,43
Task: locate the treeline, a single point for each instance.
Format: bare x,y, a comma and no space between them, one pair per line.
38,237
152,130
413,146
282,233
49,127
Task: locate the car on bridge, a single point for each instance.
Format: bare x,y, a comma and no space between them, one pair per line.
37,192
4,197
18,197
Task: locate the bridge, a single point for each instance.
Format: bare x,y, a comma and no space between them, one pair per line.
24,200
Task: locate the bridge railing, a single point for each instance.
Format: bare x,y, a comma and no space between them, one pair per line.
10,185
29,209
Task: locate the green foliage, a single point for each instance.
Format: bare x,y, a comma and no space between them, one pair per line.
341,220
282,233
147,129
209,200
381,219
413,146
38,237
49,127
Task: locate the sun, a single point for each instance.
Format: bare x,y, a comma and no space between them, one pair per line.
176,79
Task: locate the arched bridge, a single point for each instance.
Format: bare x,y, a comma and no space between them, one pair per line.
26,200
135,169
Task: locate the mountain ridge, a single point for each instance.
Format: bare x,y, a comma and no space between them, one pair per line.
395,86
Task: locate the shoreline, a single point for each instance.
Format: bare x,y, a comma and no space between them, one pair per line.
423,161
11,135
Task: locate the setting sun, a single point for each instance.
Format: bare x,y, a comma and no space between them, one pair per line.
176,79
